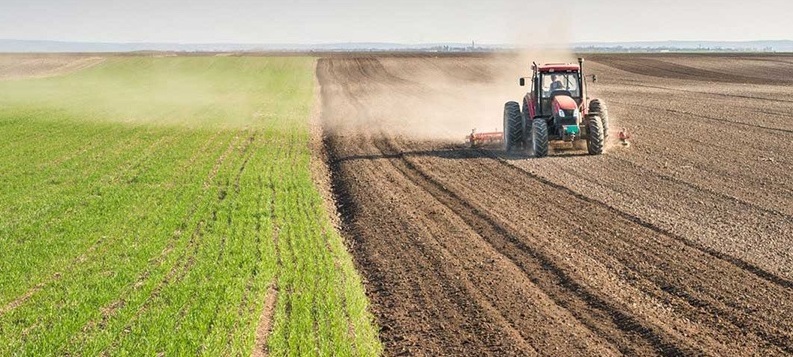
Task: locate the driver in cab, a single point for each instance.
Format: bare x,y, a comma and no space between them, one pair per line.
556,83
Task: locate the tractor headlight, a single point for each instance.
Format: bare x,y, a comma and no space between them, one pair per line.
561,113
577,113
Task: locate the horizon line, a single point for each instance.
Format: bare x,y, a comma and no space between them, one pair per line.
376,42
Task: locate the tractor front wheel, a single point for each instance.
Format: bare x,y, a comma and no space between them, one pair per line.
513,125
595,140
539,137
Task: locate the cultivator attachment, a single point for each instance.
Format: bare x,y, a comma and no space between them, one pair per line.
483,139
624,136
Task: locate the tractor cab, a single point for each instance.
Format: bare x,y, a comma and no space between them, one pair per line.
554,84
551,83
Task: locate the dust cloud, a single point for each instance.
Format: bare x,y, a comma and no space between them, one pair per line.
438,96
184,92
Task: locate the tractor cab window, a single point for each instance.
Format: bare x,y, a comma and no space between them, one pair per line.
559,81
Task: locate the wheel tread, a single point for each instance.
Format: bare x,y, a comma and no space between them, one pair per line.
513,125
599,108
539,137
595,140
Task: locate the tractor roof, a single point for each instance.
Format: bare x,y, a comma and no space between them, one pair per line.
557,67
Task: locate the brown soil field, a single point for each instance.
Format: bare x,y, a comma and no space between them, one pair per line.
681,244
22,66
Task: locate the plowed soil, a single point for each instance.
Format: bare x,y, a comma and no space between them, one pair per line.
681,244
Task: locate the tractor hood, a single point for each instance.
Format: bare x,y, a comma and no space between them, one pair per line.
563,102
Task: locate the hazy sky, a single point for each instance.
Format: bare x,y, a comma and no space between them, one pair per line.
410,21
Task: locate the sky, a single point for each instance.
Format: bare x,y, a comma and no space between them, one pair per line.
394,21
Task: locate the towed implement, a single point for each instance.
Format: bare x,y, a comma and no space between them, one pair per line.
480,139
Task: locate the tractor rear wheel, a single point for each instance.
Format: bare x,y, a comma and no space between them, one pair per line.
513,125
539,137
598,107
595,139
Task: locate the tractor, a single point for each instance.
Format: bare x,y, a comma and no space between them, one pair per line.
555,110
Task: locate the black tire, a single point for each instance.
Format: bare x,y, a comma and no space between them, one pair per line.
513,125
598,107
539,137
526,130
595,139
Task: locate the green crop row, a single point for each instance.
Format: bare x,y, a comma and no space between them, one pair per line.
150,205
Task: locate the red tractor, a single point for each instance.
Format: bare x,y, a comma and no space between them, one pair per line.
556,109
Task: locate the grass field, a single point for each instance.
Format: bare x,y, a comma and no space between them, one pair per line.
151,205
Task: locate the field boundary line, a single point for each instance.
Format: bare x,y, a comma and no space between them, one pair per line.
321,177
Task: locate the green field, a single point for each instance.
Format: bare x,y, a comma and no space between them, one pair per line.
150,205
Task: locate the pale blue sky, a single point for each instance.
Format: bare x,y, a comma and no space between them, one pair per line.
409,21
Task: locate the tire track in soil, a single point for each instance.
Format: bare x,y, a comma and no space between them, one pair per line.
455,309
762,273
387,328
663,283
782,338
586,306
472,293
695,298
424,260
693,218
435,230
